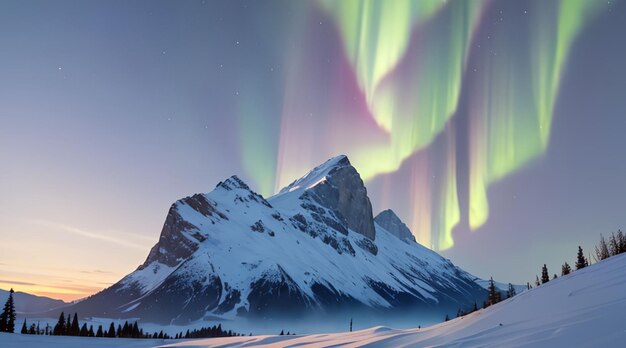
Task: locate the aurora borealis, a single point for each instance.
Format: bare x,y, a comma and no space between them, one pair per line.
411,61
491,123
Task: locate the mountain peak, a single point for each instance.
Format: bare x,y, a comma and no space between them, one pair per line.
233,183
317,174
388,220
336,185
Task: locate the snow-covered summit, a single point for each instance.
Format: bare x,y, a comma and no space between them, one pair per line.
316,175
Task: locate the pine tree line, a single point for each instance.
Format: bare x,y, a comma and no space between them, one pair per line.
494,295
68,326
207,332
615,245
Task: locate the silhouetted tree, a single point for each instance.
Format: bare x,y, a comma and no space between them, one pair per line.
111,332
99,333
602,249
83,331
447,318
7,317
59,328
90,332
545,277
350,324
537,282
565,269
581,261
493,295
511,291
621,240
75,328
24,330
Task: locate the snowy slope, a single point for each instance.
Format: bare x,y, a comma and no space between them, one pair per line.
584,309
314,248
33,341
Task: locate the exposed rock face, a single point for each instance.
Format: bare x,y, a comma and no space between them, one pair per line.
173,245
388,220
344,192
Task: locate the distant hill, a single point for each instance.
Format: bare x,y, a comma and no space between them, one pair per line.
27,303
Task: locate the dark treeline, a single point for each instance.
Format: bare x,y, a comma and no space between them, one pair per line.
494,295
70,326
615,245
207,332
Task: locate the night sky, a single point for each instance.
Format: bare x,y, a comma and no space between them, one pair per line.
495,129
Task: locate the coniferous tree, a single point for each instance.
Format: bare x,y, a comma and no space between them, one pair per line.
282,333
7,317
90,333
581,261
493,295
350,324
59,328
565,269
24,330
602,249
68,325
135,331
99,333
621,241
447,318
75,328
614,246
83,330
111,330
537,282
545,277
511,291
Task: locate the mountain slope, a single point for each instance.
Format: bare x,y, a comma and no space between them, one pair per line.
583,309
312,249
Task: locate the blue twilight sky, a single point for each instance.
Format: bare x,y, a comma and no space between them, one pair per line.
112,110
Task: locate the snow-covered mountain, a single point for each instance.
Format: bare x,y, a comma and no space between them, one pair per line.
27,303
314,248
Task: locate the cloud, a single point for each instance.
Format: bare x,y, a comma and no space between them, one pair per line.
89,234
96,271
15,282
